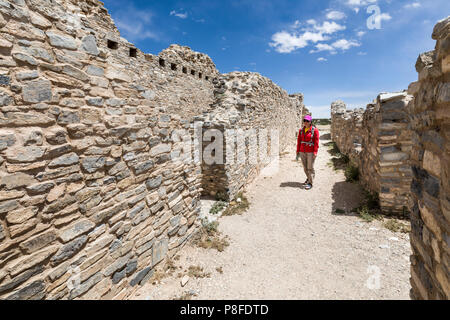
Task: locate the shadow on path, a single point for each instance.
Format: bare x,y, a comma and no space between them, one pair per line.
292,185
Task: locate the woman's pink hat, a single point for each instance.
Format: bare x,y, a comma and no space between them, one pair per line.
309,118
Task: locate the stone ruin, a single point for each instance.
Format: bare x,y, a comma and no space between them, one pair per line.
401,143
378,142
94,195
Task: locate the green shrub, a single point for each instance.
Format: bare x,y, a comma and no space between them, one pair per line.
351,173
222,196
217,207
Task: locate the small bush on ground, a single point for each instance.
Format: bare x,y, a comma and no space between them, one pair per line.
238,206
217,207
208,237
351,173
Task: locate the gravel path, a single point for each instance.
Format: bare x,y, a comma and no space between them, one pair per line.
291,245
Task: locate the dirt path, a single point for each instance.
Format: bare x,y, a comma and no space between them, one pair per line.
290,244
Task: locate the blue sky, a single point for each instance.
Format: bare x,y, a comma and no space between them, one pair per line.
326,50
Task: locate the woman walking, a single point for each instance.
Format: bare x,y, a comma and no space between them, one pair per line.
307,148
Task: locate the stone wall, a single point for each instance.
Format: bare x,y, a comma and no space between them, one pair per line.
256,106
94,195
378,142
430,189
90,187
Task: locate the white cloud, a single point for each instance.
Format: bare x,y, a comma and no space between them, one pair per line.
341,44
323,47
362,53
135,24
360,33
329,27
413,5
359,3
179,14
335,15
311,21
381,17
285,42
321,59
344,44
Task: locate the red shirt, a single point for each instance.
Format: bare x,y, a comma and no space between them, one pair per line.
302,137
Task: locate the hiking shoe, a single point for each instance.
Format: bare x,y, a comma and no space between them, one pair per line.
308,186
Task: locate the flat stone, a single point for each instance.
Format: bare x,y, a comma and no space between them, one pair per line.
27,119
65,160
92,164
22,57
56,137
8,195
41,53
159,251
30,261
153,183
89,44
7,206
62,41
4,80
17,180
9,139
119,275
68,117
85,286
29,292
5,99
38,242
75,73
37,91
21,215
131,267
39,20
116,265
98,101
95,71
25,154
391,96
159,149
16,281
77,229
69,250
140,276
56,193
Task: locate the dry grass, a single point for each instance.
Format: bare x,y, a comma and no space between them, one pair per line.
208,237
197,272
168,271
184,296
237,207
396,226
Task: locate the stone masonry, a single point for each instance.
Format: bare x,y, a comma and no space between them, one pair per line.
378,142
430,189
94,195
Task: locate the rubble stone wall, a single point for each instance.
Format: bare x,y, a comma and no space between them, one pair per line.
255,106
378,142
90,189
430,189
93,193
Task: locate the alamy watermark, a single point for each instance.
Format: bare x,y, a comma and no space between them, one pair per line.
227,146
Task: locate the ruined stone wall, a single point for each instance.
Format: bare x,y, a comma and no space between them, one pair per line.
378,142
245,101
89,184
93,191
430,189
